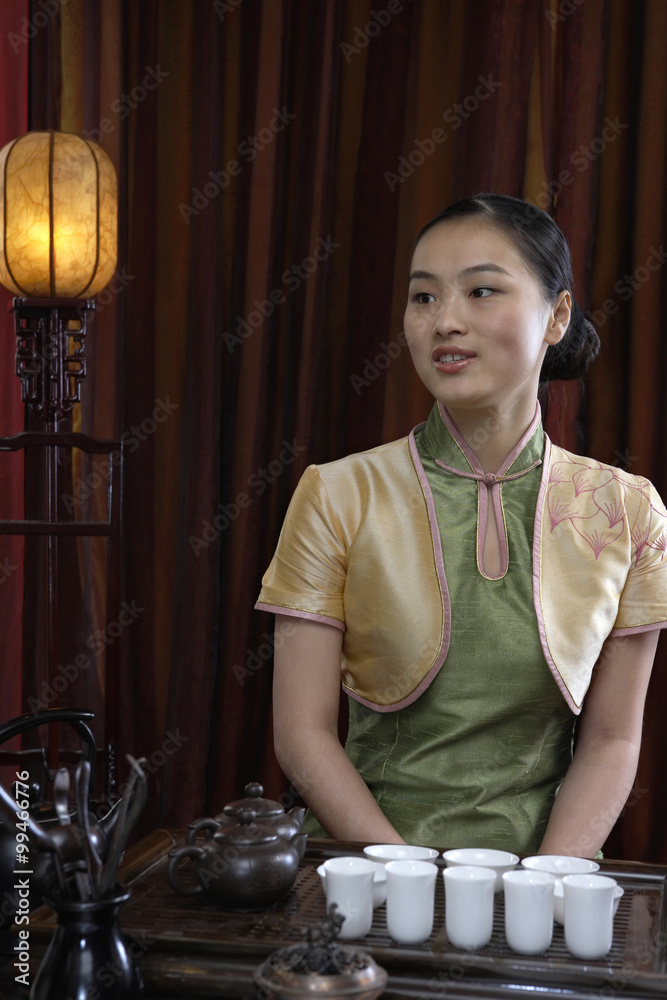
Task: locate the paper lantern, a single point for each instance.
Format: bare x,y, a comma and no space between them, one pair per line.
58,216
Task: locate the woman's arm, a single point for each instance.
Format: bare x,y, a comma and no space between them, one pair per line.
306,692
600,777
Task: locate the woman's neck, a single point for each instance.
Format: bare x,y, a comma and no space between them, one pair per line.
492,433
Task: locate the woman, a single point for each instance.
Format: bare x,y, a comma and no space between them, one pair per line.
465,582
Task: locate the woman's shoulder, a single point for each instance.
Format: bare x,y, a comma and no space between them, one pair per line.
580,475
380,457
350,483
565,463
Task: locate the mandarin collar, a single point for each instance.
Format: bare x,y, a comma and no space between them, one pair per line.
444,442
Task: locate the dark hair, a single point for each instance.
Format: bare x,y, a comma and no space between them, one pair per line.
544,249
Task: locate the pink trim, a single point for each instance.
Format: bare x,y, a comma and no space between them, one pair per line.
444,590
482,521
483,495
442,580
277,609
537,557
518,448
482,511
501,530
419,690
469,454
636,629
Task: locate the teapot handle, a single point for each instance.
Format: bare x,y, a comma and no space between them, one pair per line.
202,824
189,851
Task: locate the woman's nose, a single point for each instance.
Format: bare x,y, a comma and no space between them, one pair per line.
450,319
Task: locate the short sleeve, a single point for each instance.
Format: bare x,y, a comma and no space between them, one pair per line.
306,577
643,602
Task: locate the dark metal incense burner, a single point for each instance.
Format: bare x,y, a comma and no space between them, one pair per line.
321,968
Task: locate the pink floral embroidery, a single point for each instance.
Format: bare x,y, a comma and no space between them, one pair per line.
639,539
579,493
660,544
613,509
590,479
558,511
561,472
598,540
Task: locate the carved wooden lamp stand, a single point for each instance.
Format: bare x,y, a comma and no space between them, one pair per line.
58,222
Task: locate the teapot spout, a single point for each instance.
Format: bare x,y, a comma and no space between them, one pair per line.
299,841
298,814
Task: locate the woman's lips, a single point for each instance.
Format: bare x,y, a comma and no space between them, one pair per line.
450,361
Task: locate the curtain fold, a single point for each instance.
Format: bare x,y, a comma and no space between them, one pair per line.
626,414
13,122
275,160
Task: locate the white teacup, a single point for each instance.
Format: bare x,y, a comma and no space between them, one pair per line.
561,864
399,852
410,900
469,897
349,884
588,904
558,900
379,883
499,861
529,910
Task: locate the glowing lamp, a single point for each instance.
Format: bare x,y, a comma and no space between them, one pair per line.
58,216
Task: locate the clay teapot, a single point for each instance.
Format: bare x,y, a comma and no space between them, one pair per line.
268,812
245,865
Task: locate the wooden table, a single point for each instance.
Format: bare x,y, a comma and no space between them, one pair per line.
188,948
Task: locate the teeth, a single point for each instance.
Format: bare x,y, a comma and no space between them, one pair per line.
446,358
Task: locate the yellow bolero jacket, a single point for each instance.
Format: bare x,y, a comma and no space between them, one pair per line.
360,549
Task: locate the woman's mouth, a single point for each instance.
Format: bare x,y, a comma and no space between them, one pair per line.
451,361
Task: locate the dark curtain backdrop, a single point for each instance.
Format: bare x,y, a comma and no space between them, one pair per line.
275,159
13,122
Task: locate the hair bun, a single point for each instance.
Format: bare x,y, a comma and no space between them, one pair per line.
575,353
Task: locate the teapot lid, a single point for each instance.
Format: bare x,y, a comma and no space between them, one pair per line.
246,831
264,808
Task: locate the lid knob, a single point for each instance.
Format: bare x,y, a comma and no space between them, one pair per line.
246,817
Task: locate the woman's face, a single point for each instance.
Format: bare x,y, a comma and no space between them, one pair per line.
477,323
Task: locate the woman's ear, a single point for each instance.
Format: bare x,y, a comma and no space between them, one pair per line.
559,318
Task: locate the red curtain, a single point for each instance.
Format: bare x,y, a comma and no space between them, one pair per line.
275,159
14,32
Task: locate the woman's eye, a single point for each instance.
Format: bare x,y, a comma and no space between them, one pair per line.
481,293
423,298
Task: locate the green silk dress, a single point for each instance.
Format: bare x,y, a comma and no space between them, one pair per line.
477,759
